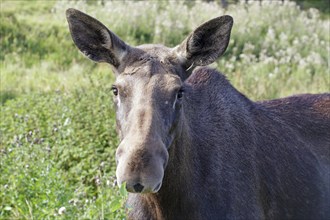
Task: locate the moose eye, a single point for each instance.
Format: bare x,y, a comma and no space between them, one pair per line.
114,90
180,93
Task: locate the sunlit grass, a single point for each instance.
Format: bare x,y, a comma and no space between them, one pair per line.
38,53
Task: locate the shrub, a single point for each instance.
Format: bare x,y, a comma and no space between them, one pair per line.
57,150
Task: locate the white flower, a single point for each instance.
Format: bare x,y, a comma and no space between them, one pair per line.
62,210
97,181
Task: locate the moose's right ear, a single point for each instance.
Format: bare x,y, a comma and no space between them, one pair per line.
94,39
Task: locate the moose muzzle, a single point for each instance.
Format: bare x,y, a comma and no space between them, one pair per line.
141,164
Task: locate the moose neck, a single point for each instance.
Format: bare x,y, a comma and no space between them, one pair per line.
178,180
196,144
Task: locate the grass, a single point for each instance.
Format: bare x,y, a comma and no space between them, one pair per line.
57,128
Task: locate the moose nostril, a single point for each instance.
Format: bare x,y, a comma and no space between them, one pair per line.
138,187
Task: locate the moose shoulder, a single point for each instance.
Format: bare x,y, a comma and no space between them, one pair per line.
193,147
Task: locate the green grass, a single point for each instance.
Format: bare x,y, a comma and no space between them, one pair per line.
57,128
57,150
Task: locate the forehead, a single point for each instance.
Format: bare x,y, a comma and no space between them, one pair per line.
152,64
147,80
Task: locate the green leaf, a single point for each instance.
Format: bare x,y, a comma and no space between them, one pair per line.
122,190
115,205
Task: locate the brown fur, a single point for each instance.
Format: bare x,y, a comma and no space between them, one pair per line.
193,147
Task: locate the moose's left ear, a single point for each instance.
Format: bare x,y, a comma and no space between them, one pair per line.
206,43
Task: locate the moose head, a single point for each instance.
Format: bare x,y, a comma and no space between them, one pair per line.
149,91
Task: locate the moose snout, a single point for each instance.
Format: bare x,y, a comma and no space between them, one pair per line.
141,168
136,187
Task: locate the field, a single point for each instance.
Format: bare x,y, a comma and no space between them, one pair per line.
57,127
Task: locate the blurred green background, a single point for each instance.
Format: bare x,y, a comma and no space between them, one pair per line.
57,129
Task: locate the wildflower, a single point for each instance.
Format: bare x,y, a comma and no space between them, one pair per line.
73,201
62,210
48,149
97,181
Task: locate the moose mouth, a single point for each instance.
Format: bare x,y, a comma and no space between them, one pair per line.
139,188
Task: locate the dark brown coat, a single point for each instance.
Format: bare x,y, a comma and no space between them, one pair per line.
193,147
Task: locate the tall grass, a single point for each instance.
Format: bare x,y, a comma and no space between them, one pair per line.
275,50
57,128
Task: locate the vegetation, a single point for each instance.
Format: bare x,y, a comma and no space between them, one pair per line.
57,125
322,5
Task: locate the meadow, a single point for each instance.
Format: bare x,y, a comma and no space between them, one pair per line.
57,127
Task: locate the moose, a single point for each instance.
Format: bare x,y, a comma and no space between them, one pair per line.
193,147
